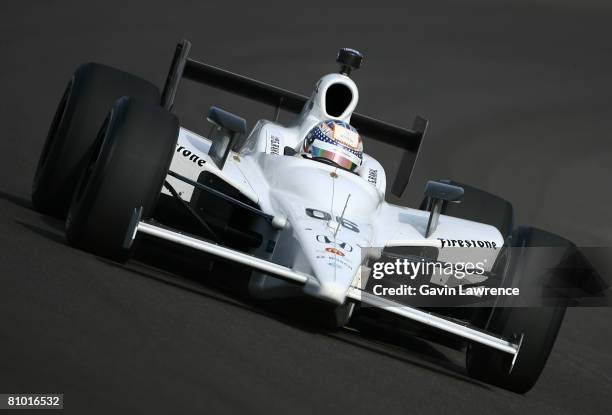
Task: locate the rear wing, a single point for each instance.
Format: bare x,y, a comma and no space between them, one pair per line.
184,67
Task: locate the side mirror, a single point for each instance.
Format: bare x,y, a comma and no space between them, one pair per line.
226,129
442,190
438,193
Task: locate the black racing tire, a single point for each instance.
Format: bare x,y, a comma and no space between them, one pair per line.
537,313
126,171
91,92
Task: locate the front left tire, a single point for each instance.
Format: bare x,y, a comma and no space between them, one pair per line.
91,92
126,171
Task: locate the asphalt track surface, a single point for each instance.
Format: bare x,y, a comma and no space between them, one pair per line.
518,94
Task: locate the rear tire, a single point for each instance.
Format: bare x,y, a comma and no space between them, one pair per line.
126,171
521,314
90,94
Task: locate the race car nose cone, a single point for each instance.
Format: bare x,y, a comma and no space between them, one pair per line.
349,59
334,292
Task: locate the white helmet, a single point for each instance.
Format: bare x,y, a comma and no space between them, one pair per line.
336,143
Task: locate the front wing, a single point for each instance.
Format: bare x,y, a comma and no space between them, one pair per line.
354,294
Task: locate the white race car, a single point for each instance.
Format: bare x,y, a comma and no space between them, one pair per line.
301,205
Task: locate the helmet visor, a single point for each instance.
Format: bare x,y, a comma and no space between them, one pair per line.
339,159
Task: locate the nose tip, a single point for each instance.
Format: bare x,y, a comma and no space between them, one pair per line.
332,291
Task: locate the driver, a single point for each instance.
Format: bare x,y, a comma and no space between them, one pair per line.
336,143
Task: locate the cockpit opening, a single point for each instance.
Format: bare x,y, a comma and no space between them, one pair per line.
337,99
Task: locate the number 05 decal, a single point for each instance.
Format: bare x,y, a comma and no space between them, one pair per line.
322,215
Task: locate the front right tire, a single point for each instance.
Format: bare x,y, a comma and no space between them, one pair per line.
536,314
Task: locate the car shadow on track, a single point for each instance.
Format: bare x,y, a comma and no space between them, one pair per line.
16,200
53,223
413,351
54,236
